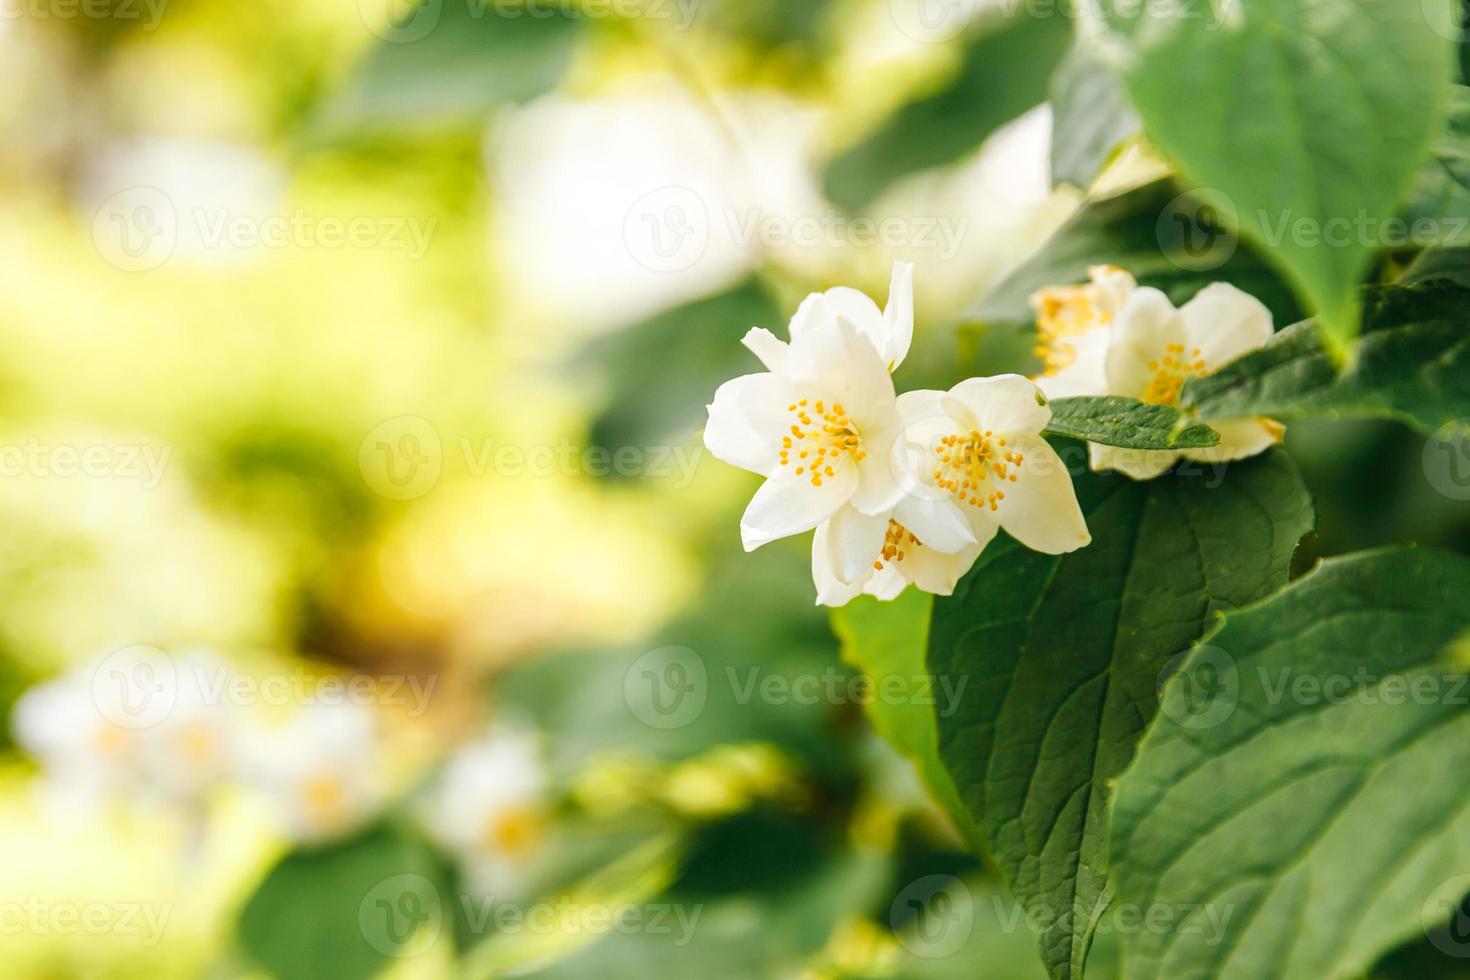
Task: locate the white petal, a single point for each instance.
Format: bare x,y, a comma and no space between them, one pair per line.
812,313
843,364
886,583
1145,326
1086,375
1139,464
878,473
788,504
1040,508
854,542
1004,403
939,524
1239,439
747,420
830,591
898,315
765,345
937,572
1224,323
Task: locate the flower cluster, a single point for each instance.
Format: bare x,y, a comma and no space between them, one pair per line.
909,488
1114,337
321,770
899,489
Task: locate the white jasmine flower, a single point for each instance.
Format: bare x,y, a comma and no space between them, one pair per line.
489,808
975,463
1071,326
320,771
899,559
820,425
84,755
1153,349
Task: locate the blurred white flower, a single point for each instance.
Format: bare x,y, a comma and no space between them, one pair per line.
321,771
489,809
97,739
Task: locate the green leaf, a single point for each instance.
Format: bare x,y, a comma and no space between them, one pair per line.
1003,72
1299,810
348,909
1439,263
1138,231
1061,656
659,374
451,63
1090,116
1288,110
889,640
1117,421
1412,363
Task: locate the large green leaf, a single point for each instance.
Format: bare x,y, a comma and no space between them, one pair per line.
453,61
1090,116
349,909
1302,814
1117,421
1290,110
1139,231
1412,362
1003,72
1063,654
888,640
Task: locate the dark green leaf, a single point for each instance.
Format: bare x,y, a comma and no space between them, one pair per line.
1292,806
1090,116
1003,73
348,909
1117,421
1138,231
1412,363
1291,111
452,62
1061,656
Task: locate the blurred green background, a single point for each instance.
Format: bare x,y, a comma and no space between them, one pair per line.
388,332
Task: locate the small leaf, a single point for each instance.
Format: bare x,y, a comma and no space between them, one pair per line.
1003,72
1117,421
1257,100
1292,806
1412,363
1061,656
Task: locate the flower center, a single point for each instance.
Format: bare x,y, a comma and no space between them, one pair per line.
325,798
896,544
1064,313
821,437
967,464
514,832
1170,373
